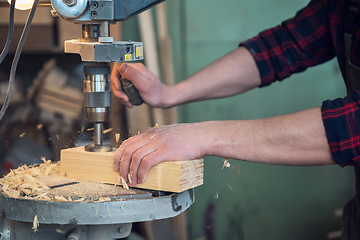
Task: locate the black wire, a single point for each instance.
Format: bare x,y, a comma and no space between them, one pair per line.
17,57
10,32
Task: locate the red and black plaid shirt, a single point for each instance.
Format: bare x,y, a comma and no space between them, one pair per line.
315,35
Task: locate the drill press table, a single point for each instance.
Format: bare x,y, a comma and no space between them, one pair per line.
96,211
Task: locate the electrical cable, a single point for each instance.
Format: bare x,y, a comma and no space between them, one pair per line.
10,32
17,57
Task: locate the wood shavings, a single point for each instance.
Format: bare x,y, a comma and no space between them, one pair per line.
39,126
21,182
124,184
129,177
107,130
117,137
226,163
104,199
63,232
79,200
35,224
122,181
60,199
157,125
90,129
122,208
23,134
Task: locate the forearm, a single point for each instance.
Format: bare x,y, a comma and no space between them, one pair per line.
293,139
232,74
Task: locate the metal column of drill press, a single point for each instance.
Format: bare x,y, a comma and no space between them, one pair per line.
97,102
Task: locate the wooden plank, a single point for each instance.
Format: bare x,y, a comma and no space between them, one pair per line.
176,176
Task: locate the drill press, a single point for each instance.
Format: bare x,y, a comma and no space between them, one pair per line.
98,47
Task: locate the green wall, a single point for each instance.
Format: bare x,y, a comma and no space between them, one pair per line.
254,201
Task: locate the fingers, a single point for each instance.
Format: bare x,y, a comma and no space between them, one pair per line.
147,163
115,77
128,157
119,152
136,161
136,156
116,86
132,72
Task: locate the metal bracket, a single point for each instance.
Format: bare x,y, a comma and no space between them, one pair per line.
120,51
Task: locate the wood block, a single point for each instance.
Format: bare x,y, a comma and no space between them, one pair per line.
176,176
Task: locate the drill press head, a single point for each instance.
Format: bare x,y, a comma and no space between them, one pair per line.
97,47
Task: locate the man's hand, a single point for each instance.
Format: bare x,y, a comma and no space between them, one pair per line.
296,139
138,154
149,86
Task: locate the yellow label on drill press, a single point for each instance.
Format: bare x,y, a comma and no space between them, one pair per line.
128,57
139,52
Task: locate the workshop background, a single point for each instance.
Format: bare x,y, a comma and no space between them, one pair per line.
246,201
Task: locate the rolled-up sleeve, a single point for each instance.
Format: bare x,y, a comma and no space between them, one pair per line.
342,124
293,46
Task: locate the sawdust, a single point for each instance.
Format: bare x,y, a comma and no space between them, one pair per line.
35,224
226,163
41,182
117,137
21,182
107,130
123,183
104,199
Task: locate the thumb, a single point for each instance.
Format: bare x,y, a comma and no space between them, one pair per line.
132,74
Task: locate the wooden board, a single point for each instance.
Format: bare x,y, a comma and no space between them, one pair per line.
176,176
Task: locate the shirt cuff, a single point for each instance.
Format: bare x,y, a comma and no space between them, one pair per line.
341,121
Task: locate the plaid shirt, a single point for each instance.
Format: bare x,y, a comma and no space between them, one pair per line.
315,35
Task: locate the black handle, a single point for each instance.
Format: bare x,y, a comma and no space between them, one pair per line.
130,90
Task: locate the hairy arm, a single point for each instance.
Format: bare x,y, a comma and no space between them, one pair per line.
292,139
232,74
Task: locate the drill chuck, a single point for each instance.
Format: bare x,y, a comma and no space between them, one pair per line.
97,100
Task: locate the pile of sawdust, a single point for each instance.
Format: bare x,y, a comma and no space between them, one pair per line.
22,182
32,182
